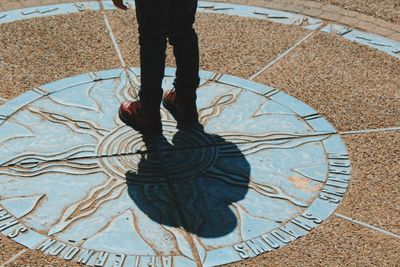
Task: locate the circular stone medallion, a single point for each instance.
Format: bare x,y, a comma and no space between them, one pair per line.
78,184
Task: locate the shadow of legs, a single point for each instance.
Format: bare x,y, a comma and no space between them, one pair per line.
191,183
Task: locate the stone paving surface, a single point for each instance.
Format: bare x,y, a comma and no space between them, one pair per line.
8,249
381,17
363,94
35,258
15,4
354,86
332,13
373,195
225,45
38,51
334,243
385,9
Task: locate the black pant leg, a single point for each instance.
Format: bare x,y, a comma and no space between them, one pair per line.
154,18
183,38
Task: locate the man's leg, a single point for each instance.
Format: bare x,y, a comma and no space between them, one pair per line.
181,102
154,18
184,40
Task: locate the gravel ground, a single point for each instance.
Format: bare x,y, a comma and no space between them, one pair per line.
15,4
388,10
38,51
334,243
228,44
353,86
34,258
8,248
373,196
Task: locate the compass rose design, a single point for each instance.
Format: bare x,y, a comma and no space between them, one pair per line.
89,187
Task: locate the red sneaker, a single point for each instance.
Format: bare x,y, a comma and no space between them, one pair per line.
183,110
142,120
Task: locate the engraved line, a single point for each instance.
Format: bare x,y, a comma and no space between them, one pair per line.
13,258
284,145
133,80
80,172
59,102
239,207
89,205
282,55
188,236
70,165
217,107
392,129
78,126
144,152
30,158
239,220
367,225
41,91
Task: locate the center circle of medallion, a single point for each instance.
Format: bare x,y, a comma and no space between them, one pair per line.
196,153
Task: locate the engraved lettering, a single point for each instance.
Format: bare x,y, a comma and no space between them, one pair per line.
290,231
281,237
302,224
258,246
336,184
332,192
329,198
340,164
120,258
339,178
270,241
144,261
39,11
6,225
166,261
131,261
5,216
339,171
312,117
57,250
80,6
152,261
71,253
16,232
312,218
242,252
101,259
46,245
156,261
85,256
338,156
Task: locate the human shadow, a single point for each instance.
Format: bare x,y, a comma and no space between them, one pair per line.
192,182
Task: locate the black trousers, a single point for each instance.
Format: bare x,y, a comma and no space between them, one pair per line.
160,20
